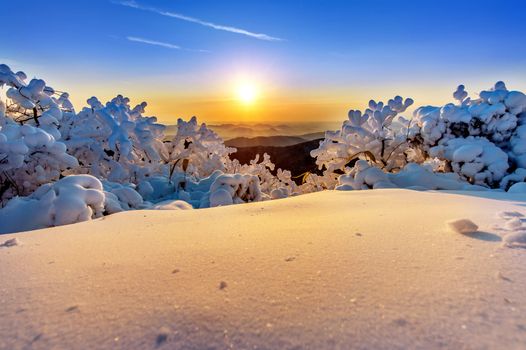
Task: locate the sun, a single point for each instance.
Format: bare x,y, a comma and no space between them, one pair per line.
247,93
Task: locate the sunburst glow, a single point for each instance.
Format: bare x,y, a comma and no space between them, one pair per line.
247,93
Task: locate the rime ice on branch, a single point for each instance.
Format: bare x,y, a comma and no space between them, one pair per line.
475,141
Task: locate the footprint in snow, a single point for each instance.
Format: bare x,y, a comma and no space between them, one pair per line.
510,214
516,236
515,240
10,243
162,337
72,308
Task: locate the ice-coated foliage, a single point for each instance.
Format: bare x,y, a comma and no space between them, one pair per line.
481,141
369,134
196,150
114,141
477,160
31,153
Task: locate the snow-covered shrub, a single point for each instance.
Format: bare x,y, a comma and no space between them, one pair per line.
172,205
29,157
413,176
196,150
517,147
480,140
519,187
477,160
120,197
30,151
34,102
114,141
518,175
364,176
234,189
72,199
369,134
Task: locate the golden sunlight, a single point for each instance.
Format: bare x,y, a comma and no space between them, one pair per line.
247,93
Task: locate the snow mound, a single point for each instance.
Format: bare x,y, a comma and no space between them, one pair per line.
120,197
72,199
519,187
234,189
412,176
510,214
513,223
463,226
172,205
515,240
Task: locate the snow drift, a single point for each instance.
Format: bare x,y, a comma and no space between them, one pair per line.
329,270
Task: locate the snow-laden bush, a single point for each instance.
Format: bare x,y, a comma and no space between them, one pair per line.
370,134
30,151
481,141
29,157
34,102
114,141
413,176
234,189
197,150
477,160
121,197
72,199
172,205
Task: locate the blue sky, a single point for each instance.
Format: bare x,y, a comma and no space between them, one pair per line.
331,53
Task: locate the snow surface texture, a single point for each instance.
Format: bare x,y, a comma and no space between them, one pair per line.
387,274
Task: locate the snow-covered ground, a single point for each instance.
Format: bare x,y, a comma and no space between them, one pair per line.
362,269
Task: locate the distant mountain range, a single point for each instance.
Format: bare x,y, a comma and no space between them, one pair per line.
289,146
277,141
306,131
295,158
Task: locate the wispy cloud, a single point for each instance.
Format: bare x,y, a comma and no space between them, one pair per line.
152,42
161,44
260,36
